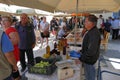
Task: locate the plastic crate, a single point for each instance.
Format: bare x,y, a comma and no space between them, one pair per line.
48,70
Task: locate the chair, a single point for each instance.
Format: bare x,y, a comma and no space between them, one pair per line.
104,41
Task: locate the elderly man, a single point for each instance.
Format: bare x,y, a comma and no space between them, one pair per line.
90,47
27,40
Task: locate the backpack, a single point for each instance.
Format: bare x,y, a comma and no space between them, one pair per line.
5,67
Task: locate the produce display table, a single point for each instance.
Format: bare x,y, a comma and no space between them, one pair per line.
77,75
77,71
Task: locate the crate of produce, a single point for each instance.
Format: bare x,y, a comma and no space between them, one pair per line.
42,66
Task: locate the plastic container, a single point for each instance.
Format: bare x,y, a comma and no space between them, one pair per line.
47,70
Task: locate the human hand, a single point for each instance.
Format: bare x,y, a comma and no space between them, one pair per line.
15,68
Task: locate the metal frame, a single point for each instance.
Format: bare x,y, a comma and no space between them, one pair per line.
100,72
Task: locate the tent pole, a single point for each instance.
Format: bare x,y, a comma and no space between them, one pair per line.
76,21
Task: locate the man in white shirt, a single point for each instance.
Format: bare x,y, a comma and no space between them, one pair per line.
44,30
100,24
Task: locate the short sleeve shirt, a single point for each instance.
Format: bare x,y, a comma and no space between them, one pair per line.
6,44
61,33
44,25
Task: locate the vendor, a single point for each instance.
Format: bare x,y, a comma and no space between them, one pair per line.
62,32
90,47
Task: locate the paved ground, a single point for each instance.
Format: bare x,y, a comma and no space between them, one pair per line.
112,53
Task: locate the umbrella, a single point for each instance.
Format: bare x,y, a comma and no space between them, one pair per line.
61,15
28,3
5,13
83,5
68,5
32,12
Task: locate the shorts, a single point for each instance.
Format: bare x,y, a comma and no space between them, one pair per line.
45,36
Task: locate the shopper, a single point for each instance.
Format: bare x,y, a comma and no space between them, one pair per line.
27,40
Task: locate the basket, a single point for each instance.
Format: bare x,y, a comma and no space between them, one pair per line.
47,70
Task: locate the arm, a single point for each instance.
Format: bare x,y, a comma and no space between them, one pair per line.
14,37
40,27
11,59
7,49
47,27
34,38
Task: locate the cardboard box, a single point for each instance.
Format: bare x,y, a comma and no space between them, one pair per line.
64,73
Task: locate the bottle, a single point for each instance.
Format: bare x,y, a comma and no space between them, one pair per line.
64,50
65,42
58,52
67,56
55,45
48,49
67,52
59,45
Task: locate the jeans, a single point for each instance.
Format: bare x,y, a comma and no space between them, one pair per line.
115,33
89,71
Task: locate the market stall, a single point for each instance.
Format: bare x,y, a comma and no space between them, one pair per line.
67,67
54,76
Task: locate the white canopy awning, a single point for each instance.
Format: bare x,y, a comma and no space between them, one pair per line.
68,5
31,12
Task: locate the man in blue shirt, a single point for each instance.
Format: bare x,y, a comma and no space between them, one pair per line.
62,32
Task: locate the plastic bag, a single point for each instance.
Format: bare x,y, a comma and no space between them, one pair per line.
75,54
